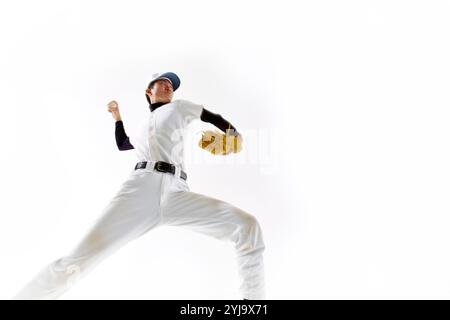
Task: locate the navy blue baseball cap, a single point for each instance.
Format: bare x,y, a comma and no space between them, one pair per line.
172,77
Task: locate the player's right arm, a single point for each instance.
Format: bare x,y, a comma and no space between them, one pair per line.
122,140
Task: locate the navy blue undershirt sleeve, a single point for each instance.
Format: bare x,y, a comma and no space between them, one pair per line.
122,140
217,120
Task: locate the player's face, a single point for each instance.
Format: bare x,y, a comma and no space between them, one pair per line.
162,91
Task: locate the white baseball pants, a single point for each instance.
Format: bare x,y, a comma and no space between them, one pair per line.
148,199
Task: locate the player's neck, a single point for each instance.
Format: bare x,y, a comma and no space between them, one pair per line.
156,105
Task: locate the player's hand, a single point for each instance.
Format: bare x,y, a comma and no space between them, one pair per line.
113,107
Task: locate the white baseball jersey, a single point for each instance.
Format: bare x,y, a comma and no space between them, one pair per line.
161,136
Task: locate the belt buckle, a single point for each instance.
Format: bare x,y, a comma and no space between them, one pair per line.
159,166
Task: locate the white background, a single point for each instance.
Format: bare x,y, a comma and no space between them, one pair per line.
347,171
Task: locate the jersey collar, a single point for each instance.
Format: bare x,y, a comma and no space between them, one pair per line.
154,106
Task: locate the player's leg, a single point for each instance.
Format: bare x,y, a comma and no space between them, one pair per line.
223,221
130,213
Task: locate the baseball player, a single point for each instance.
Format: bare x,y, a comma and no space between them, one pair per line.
156,193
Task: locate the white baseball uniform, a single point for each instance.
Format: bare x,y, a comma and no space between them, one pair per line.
149,199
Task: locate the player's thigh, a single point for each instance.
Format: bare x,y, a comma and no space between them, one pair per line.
132,211
207,215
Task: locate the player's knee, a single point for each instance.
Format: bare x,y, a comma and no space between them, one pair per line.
250,234
251,223
62,272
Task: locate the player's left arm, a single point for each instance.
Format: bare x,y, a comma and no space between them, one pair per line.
218,121
122,140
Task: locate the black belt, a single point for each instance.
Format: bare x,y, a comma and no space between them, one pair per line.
161,166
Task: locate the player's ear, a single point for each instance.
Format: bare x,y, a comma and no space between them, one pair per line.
148,91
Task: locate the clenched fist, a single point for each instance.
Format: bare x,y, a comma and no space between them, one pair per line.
113,107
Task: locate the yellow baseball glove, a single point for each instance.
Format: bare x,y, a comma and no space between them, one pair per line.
218,143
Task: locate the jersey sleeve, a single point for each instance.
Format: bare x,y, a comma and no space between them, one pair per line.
189,110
